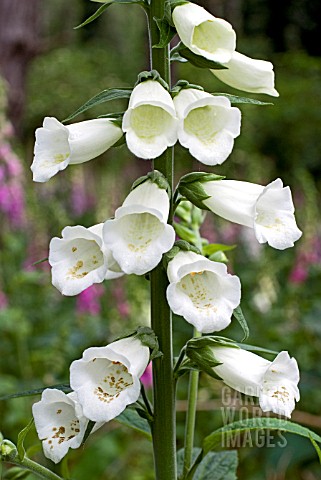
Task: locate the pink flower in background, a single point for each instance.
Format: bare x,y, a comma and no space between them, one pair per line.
81,200
3,301
147,377
311,255
119,296
88,301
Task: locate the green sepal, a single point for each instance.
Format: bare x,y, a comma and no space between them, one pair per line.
238,314
214,440
151,75
190,187
212,248
8,450
218,256
102,97
183,84
166,32
196,60
179,245
235,99
176,3
148,338
185,233
88,431
156,177
21,437
40,261
199,351
175,57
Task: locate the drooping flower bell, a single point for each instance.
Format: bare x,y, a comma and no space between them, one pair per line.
150,121
202,291
248,74
275,383
204,34
207,125
58,146
60,423
79,259
106,379
139,234
268,210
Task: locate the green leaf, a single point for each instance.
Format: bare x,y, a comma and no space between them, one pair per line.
218,465
131,419
40,261
214,441
236,99
89,428
102,97
217,247
15,473
166,32
21,437
94,16
316,446
180,459
27,393
199,61
238,314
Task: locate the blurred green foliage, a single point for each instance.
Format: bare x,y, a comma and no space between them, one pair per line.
42,332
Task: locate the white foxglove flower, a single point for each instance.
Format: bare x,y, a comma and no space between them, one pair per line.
275,383
150,121
269,210
60,423
139,234
106,379
204,34
79,259
207,125
248,74
202,291
57,145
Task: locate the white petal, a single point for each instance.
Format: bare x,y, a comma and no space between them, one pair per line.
275,221
182,258
77,260
138,240
204,294
148,194
52,150
279,387
248,74
233,200
91,138
59,422
150,122
106,378
204,34
242,370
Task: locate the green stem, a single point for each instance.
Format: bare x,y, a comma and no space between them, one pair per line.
36,468
163,427
190,417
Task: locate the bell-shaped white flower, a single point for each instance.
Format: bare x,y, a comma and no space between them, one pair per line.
106,379
248,74
79,259
207,125
204,34
59,422
269,210
139,235
150,121
202,291
275,383
57,145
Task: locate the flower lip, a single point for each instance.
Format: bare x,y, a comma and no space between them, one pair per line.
138,209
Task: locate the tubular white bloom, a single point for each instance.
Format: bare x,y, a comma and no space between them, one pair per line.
106,379
204,34
202,291
269,210
275,383
207,125
248,74
57,145
150,121
79,259
139,234
60,423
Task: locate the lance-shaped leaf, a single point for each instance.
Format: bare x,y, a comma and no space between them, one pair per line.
218,465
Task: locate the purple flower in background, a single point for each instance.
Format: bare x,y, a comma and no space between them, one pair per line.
81,200
3,301
147,377
88,301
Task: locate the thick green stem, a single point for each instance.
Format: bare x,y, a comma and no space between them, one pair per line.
36,468
163,428
190,417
